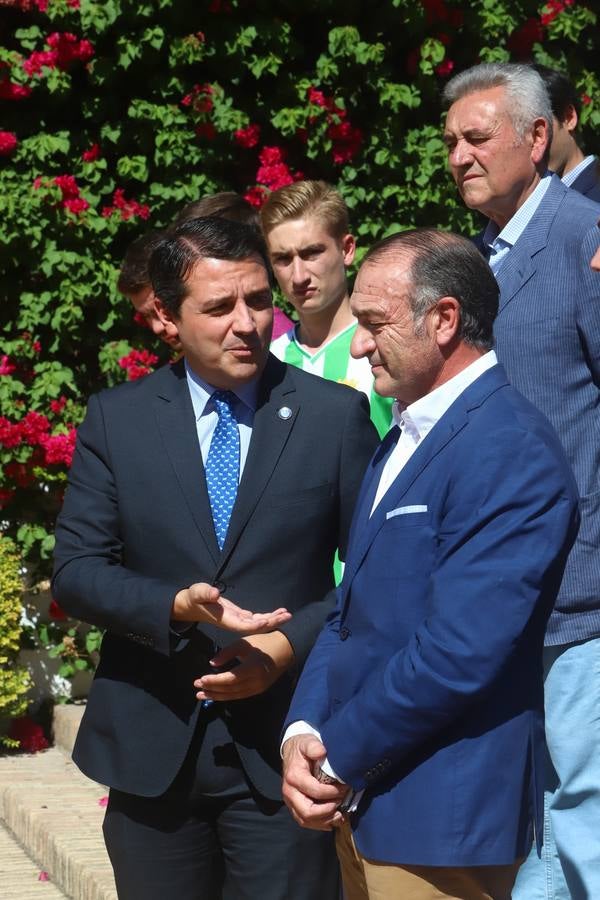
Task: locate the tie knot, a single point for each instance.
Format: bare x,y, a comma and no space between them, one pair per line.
224,401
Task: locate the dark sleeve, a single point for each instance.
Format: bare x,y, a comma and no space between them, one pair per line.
357,444
89,581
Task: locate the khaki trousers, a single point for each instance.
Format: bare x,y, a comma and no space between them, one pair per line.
368,880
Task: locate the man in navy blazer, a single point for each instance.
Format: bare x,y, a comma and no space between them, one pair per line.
420,705
195,807
539,240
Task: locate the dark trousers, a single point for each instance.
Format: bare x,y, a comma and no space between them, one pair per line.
210,837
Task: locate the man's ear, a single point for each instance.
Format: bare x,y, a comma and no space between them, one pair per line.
539,140
570,119
348,248
445,320
165,316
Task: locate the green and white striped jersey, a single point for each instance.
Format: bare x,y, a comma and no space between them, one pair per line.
333,361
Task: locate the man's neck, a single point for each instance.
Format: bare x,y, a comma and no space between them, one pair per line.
317,329
503,213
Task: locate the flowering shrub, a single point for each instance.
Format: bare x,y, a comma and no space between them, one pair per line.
14,680
115,114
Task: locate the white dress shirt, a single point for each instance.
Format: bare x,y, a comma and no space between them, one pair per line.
415,421
571,176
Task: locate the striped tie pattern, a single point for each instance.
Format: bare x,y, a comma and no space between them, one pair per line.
223,464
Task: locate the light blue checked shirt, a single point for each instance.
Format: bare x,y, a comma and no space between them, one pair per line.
498,242
570,177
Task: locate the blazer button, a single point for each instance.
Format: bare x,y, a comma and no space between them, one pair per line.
344,633
220,585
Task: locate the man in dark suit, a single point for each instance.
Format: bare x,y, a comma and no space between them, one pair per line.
226,475
566,157
424,691
539,240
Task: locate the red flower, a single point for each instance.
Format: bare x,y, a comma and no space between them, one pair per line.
76,205
20,473
73,4
6,367
29,734
56,612
206,130
127,208
59,448
10,433
256,196
316,97
34,428
92,154
247,137
5,497
346,141
522,40
139,319
199,97
68,186
42,5
444,67
57,406
138,363
586,99
36,347
8,143
9,90
553,9
69,48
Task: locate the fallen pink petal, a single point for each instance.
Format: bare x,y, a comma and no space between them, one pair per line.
43,876
103,801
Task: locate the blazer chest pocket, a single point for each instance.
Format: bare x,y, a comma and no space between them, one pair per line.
317,494
408,516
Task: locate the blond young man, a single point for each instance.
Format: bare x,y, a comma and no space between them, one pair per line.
306,226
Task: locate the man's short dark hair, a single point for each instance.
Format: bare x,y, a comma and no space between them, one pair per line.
134,276
446,265
561,91
225,205
202,238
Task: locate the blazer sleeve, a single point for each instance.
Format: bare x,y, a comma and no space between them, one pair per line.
90,581
588,302
358,443
507,526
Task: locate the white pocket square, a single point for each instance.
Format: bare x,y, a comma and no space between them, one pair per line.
405,510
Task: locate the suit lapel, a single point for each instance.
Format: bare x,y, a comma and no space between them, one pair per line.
444,431
175,418
274,420
520,263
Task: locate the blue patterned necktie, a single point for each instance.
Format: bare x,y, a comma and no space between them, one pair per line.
223,464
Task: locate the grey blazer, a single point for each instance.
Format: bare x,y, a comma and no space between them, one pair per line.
548,339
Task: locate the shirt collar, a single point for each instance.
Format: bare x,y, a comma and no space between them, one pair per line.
571,176
515,226
201,392
418,418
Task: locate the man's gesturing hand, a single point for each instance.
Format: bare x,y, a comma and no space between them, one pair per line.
312,804
262,659
203,603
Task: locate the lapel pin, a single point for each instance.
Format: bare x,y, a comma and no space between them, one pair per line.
284,413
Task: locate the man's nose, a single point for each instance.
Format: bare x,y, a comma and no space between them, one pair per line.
299,273
243,319
460,155
362,343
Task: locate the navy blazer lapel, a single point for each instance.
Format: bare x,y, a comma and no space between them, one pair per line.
274,420
176,423
451,423
520,263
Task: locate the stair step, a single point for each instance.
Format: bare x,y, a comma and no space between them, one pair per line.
19,875
54,813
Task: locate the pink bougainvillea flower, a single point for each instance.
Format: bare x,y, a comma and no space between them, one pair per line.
68,186
248,136
346,141
34,427
76,205
445,67
206,130
92,153
30,736
138,363
586,99
57,406
56,612
10,433
6,366
8,143
38,60
256,196
69,48
10,90
59,448
128,208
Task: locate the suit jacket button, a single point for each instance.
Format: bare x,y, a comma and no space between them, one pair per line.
344,633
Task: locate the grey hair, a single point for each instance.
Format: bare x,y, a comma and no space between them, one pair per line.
525,91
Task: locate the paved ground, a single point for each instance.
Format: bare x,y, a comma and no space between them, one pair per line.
50,821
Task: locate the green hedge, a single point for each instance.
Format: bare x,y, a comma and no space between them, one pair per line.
115,113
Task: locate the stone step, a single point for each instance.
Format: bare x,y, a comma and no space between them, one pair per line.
65,724
55,815
20,876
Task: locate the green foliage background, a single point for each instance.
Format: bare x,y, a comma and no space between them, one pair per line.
380,66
